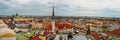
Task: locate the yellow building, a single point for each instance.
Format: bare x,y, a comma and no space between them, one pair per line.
85,27
43,37
35,25
23,19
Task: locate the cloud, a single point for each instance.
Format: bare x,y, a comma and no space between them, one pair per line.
3,6
107,8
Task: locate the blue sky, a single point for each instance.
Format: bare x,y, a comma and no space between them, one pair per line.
102,8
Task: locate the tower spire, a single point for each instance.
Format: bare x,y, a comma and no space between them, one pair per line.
53,19
53,14
16,14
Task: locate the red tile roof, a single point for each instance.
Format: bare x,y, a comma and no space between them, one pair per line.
59,26
68,25
49,27
95,35
115,32
35,38
47,33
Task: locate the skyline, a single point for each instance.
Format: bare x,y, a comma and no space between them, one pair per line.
102,8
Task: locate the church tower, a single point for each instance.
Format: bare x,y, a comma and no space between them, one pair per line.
53,14
53,20
16,14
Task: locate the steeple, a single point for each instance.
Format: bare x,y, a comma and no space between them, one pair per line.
53,14
53,19
16,14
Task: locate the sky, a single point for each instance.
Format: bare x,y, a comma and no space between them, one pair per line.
102,8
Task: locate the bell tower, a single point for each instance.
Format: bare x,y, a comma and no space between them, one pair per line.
53,13
53,19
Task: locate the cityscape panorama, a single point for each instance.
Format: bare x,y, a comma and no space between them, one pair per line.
60,19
